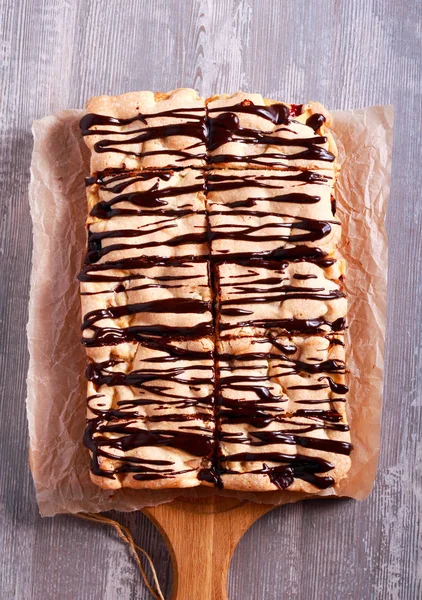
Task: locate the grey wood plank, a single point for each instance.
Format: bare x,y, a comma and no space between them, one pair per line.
55,55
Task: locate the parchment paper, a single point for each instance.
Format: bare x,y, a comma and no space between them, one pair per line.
56,384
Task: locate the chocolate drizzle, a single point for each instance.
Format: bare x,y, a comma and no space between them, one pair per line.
245,288
190,123
274,223
156,248
267,418
212,128
111,431
225,128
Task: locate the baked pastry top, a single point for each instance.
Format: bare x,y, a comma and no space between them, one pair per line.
144,193
272,213
140,130
249,130
158,300
269,297
150,412
212,294
281,413
179,129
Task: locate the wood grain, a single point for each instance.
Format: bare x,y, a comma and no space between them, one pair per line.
201,537
346,54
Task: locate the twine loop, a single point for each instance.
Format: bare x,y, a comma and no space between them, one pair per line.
125,534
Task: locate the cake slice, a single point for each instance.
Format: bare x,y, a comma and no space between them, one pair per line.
281,414
138,193
150,421
272,213
268,298
146,214
142,130
249,131
168,299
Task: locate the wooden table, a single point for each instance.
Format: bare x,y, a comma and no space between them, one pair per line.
347,54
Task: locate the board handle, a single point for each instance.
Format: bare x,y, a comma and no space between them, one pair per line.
201,537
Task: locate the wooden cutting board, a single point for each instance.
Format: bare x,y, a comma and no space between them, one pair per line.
201,536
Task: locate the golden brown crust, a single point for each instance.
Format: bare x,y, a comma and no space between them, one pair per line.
148,223
149,284
250,203
268,298
188,188
152,393
160,151
285,369
266,154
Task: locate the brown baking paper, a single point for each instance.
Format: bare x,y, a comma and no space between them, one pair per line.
56,384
